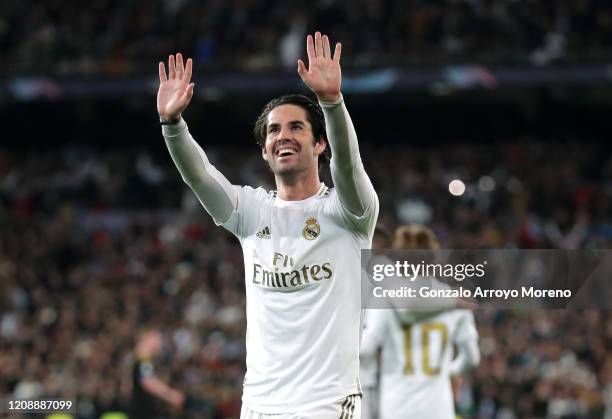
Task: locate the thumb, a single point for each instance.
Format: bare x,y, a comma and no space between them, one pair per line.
301,69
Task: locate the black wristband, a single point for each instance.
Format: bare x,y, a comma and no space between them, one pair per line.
162,122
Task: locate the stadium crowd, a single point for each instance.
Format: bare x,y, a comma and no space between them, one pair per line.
122,37
96,245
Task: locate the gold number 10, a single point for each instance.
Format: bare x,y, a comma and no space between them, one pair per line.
426,330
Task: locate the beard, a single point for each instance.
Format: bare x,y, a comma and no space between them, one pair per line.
290,170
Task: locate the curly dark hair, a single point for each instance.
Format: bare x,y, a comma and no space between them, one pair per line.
314,114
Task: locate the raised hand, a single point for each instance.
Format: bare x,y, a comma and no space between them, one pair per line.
175,90
323,75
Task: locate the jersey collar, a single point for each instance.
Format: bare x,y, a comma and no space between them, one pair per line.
322,191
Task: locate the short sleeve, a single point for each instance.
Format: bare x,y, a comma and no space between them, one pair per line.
145,370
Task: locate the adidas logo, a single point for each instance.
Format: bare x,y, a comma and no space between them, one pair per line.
264,233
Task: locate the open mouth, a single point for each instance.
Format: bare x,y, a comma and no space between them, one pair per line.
284,151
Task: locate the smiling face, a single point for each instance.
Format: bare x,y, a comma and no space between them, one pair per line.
290,147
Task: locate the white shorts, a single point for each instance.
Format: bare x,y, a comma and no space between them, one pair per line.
347,408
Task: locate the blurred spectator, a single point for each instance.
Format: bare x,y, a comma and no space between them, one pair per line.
95,244
119,37
148,390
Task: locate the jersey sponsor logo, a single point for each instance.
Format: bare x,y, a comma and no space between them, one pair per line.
312,229
286,275
264,233
307,274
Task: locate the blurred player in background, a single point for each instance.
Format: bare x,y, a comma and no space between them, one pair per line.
416,361
301,243
368,366
149,392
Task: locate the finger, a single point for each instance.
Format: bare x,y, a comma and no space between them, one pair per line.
338,52
326,48
310,49
180,69
318,45
188,70
171,68
162,72
301,69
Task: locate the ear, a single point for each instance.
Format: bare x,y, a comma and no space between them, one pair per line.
320,146
264,154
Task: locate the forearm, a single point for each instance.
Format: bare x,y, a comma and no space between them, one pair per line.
350,179
213,190
158,388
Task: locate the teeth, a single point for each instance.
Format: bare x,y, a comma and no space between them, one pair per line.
286,151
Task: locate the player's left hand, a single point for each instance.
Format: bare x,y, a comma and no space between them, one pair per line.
323,75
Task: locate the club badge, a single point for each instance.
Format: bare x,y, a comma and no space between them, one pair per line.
312,229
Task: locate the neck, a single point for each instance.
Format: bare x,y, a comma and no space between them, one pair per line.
297,187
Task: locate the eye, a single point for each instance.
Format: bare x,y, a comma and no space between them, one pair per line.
297,127
272,129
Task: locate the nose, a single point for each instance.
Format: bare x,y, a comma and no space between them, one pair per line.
283,138
284,133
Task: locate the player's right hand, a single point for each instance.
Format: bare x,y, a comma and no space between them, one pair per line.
175,89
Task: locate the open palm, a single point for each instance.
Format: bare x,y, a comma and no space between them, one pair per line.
175,89
323,75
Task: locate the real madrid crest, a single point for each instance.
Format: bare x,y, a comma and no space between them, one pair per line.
312,229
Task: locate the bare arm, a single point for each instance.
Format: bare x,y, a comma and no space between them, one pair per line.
159,389
213,190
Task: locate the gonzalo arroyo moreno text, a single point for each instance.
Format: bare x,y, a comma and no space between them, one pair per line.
455,272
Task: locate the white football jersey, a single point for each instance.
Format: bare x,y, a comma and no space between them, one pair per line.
415,361
302,277
368,367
